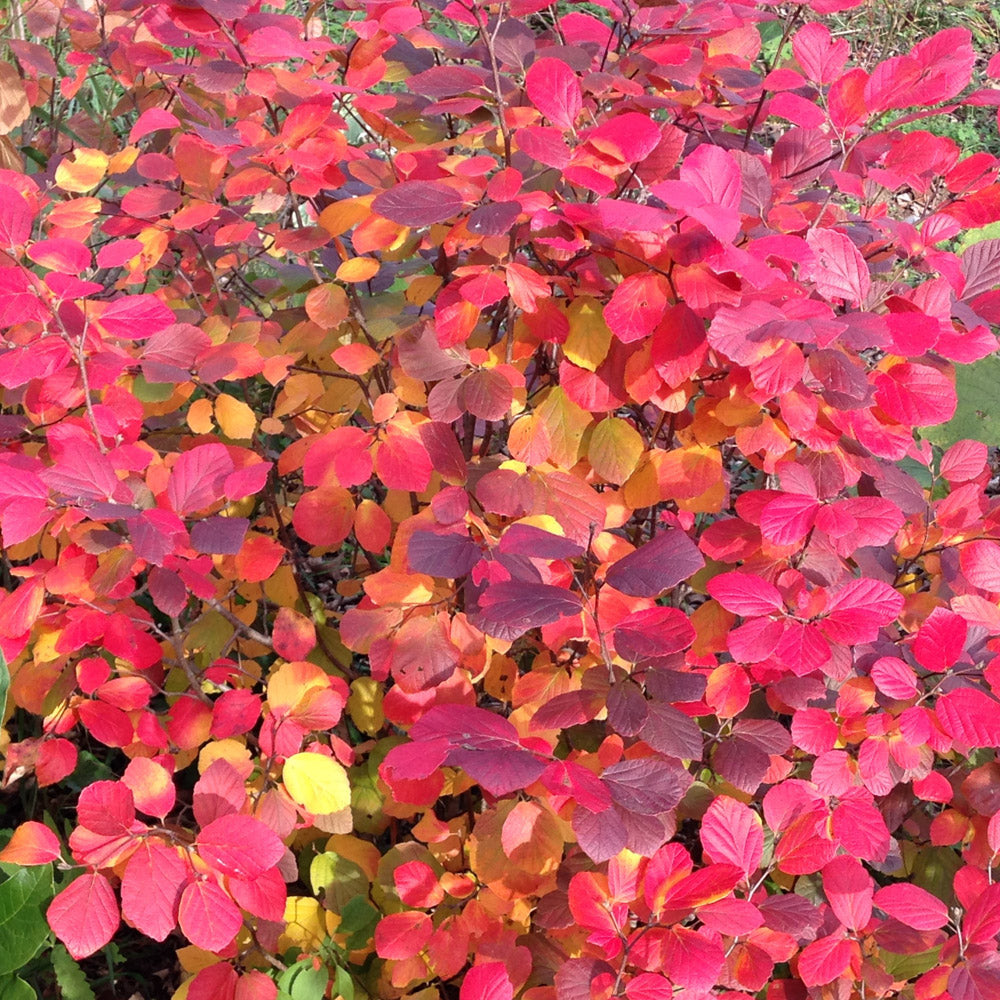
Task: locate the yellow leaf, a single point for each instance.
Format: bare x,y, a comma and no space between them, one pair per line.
615,449
357,269
199,416
565,423
317,783
84,172
365,705
235,418
342,215
306,924
589,336
327,305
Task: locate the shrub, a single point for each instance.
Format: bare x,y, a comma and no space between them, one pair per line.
467,523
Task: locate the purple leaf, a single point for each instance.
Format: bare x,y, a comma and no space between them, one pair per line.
657,566
671,732
221,536
648,785
418,203
508,610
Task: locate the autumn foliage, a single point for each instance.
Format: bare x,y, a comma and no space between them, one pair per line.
462,480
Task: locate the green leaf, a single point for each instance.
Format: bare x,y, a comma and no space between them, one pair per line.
343,985
977,417
72,982
4,685
340,879
152,392
14,988
303,981
23,929
902,967
358,921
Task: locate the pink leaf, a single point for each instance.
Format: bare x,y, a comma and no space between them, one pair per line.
106,807
980,562
746,594
940,640
970,716
917,395
85,915
151,889
849,890
240,846
838,270
554,89
859,609
16,217
207,916
197,478
912,906
488,981
402,935
732,832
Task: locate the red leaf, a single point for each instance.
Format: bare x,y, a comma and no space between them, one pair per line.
825,960
660,564
912,906
83,473
646,785
152,786
402,935
418,203
554,89
916,395
693,958
240,846
134,317
215,982
293,635
820,57
637,306
895,678
653,632
255,985
84,915
152,884
207,916
706,885
417,884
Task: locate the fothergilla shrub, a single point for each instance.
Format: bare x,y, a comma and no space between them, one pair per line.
469,525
